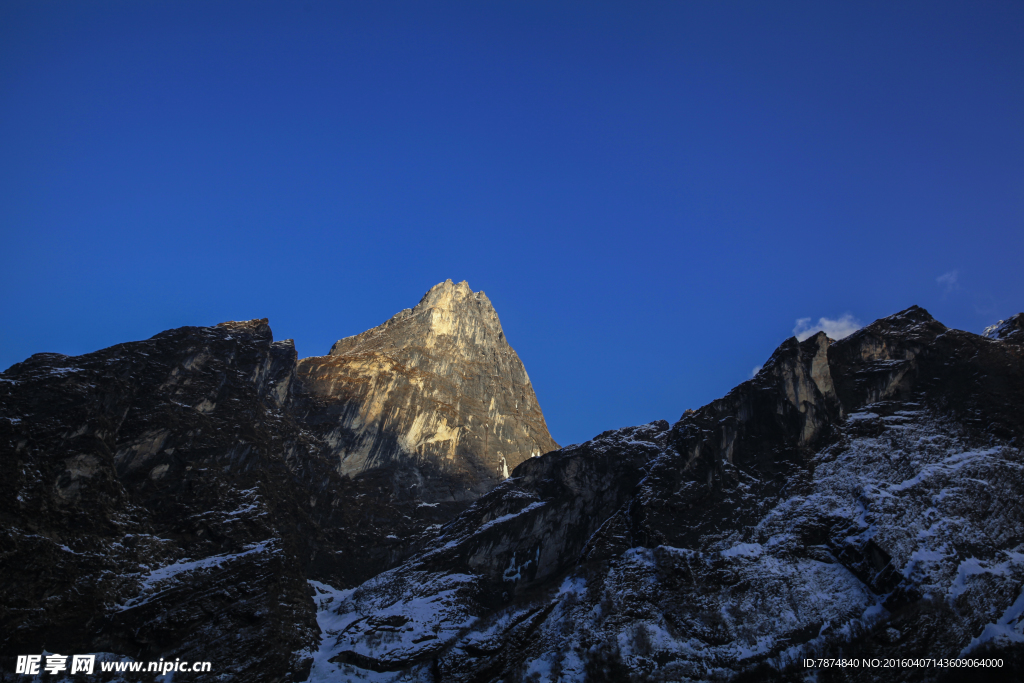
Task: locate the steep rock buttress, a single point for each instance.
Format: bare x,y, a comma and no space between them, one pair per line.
435,396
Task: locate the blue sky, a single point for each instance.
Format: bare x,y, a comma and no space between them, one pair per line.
652,194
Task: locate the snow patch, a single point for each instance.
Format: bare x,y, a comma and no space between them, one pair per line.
744,550
1008,629
511,515
159,580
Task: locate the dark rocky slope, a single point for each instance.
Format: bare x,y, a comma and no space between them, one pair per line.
157,501
855,498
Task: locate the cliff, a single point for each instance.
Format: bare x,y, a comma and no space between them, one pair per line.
435,395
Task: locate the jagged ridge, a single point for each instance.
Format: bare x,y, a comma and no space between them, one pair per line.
858,498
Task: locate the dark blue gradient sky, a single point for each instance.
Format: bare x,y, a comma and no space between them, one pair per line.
650,193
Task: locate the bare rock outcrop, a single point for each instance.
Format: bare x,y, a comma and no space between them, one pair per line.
435,395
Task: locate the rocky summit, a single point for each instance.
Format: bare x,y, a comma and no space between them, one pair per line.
203,495
435,395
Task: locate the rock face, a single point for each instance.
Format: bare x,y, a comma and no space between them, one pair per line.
435,397
157,501
858,498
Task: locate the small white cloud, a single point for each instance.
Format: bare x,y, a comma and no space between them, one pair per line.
753,373
948,281
841,327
